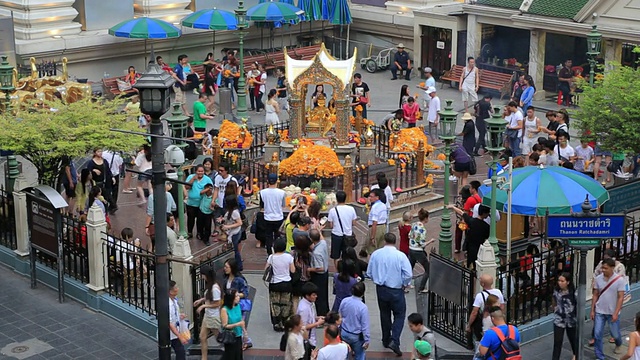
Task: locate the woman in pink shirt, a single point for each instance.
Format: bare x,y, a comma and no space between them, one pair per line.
411,110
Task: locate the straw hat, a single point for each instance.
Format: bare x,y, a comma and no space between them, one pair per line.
467,116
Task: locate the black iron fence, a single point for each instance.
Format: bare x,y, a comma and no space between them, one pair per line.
7,220
627,250
381,142
527,283
260,133
406,165
128,273
75,251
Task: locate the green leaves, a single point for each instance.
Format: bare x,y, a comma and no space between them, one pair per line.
44,137
610,111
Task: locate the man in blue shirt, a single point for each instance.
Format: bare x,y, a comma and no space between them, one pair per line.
355,321
491,343
401,61
181,82
390,270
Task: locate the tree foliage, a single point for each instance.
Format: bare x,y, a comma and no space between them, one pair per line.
610,111
47,138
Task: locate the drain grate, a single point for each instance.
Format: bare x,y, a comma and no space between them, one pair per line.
19,349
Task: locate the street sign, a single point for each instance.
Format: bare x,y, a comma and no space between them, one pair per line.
576,227
587,243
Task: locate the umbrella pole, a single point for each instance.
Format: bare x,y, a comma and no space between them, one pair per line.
509,197
262,38
145,53
290,35
213,47
341,32
348,33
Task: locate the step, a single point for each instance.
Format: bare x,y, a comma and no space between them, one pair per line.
434,203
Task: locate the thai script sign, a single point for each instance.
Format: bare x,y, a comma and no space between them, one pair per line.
597,227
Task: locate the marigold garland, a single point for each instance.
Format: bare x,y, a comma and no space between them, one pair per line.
229,136
317,160
442,157
408,140
284,135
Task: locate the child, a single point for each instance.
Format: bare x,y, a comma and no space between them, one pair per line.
411,110
307,311
206,214
335,319
404,226
422,335
585,157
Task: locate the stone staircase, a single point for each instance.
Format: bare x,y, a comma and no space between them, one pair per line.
405,202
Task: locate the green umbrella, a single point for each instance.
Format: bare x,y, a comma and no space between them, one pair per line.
273,11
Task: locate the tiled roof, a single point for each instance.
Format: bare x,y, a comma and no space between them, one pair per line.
567,9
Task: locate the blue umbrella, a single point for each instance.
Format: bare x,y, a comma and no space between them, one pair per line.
555,189
325,9
305,5
341,15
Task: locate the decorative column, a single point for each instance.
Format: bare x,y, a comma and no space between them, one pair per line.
486,263
474,36
37,19
169,10
358,121
342,121
420,163
347,182
96,228
612,53
22,220
13,171
181,274
296,114
537,46
216,153
496,126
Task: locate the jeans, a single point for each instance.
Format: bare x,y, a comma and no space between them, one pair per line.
558,338
481,125
322,282
204,226
566,92
259,103
113,206
420,256
391,301
395,68
178,348
252,99
272,233
355,342
614,327
235,240
192,214
514,145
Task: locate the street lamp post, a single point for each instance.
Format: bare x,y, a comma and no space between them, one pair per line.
496,126
448,119
178,125
6,82
594,43
154,86
241,17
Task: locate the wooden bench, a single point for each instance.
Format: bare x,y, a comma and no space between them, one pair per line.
110,86
488,79
307,52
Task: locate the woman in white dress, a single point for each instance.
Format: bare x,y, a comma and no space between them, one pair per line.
531,128
273,109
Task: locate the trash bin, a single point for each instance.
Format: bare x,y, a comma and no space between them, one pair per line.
225,101
621,179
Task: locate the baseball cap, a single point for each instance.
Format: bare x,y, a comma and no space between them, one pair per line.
272,178
400,46
430,90
428,70
422,347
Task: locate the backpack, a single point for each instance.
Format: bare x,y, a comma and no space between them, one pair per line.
509,345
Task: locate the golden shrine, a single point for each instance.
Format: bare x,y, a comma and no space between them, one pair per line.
47,88
323,69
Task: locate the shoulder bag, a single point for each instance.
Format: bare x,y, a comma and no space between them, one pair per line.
349,240
268,273
226,336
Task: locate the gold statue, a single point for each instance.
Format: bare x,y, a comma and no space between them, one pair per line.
65,74
34,68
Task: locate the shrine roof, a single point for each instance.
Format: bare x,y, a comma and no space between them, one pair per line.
342,69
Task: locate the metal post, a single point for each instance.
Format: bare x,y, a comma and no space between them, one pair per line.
13,171
242,91
160,221
445,237
592,65
493,240
582,302
182,231
509,198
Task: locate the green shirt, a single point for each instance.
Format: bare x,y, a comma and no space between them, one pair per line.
199,109
619,156
205,204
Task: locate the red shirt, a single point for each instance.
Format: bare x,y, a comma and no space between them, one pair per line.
404,238
410,112
471,202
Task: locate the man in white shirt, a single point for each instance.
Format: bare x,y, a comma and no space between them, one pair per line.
272,201
469,83
429,82
177,340
566,152
335,349
433,116
378,217
486,281
514,119
172,237
383,183
115,163
342,217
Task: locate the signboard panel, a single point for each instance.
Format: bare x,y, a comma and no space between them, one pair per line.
591,243
623,198
42,223
597,227
446,286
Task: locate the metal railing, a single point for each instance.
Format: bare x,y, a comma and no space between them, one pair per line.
128,273
75,252
381,142
7,220
528,283
627,250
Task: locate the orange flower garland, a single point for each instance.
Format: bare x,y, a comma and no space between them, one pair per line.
442,157
312,160
408,140
229,136
358,108
284,135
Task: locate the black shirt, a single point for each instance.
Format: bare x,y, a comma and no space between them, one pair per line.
483,108
401,58
190,150
477,233
553,126
359,90
565,73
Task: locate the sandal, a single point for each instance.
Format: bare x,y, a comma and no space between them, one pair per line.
247,346
612,341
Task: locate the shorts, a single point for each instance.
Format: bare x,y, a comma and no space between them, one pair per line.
71,193
211,322
179,95
461,167
146,176
337,246
599,152
469,95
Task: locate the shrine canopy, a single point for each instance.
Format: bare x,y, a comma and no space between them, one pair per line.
342,69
